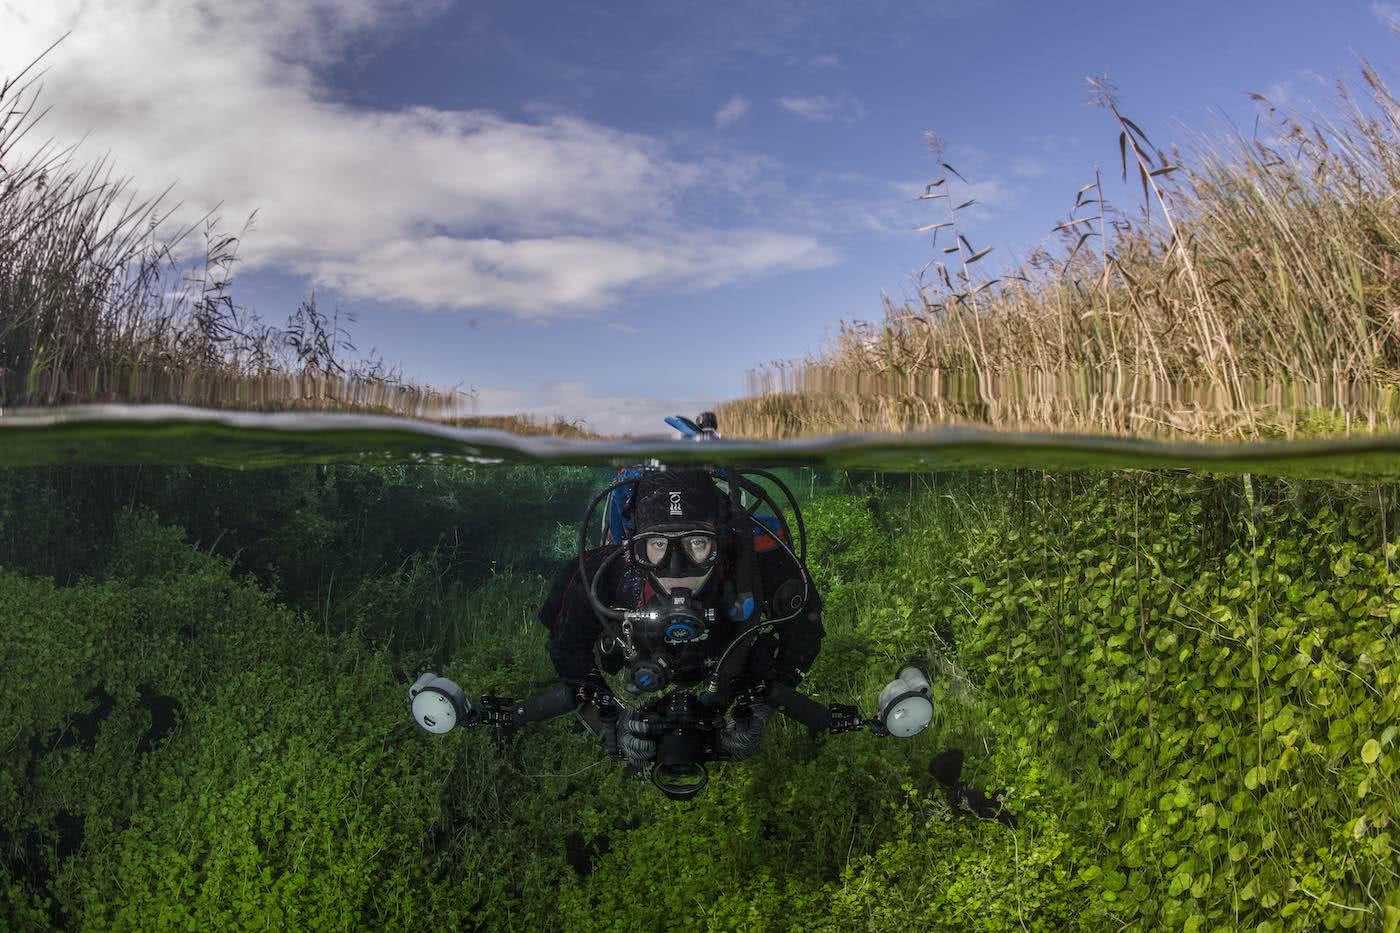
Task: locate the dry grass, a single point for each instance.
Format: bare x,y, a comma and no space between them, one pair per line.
1254,291
98,305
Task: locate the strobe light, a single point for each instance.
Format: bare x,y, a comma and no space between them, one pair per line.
439,705
904,706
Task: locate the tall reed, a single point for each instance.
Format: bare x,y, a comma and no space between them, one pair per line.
1254,290
100,300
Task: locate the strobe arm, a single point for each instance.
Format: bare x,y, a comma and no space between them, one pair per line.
836,718
556,701
440,706
790,703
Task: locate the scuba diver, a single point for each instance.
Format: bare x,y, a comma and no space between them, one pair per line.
702,606
685,551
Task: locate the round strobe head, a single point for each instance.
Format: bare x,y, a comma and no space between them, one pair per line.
908,715
439,705
904,704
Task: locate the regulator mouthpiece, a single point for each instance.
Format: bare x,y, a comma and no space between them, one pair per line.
439,705
649,675
904,706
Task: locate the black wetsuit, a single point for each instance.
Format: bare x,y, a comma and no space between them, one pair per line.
786,652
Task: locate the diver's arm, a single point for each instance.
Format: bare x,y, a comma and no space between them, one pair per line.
571,644
800,641
574,627
800,637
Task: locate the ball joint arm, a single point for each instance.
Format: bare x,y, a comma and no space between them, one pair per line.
836,718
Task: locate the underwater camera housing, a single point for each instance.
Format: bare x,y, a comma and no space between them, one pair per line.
666,644
688,732
687,736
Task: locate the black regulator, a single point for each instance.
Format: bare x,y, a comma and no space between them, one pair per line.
664,640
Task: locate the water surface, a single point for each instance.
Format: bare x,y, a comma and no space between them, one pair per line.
175,434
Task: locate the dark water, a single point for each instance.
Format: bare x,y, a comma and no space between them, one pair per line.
1165,680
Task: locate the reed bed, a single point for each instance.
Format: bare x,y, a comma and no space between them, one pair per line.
1252,290
104,299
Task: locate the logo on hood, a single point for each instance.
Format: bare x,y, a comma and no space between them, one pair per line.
676,504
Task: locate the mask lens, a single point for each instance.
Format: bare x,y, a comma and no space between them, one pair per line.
653,550
699,548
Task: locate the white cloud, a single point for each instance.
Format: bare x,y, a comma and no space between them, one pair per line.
1316,78
1280,93
732,112
1028,167
990,194
1388,14
841,107
969,155
606,414
222,98
540,277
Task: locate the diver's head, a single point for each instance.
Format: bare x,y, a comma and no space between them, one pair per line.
677,521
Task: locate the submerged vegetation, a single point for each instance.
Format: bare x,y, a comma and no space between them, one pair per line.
1188,687
1255,292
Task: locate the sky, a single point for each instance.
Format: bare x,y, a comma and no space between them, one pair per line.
615,211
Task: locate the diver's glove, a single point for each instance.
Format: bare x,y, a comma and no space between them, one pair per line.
635,738
740,737
590,688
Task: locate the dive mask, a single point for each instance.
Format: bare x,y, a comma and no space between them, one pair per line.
677,559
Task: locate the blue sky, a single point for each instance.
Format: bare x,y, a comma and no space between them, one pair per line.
614,210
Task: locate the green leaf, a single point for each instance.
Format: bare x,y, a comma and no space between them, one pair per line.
1370,751
1180,883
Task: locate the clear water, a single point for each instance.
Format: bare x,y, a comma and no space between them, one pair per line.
1173,667
174,435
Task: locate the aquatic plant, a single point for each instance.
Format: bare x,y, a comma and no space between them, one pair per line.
397,551
1186,685
1196,679
291,792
